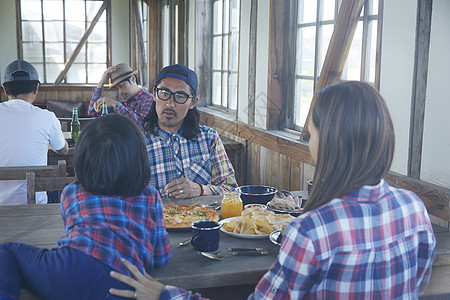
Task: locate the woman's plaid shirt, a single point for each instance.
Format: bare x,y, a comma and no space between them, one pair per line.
375,243
111,227
202,159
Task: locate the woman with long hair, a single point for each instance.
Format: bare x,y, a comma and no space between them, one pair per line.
358,238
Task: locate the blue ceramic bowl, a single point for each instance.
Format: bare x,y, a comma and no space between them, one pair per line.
256,193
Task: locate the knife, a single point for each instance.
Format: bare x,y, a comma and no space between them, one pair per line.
242,249
250,253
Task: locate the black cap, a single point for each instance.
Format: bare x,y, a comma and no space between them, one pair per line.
180,72
27,71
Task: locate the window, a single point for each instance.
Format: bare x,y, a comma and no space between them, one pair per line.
225,53
52,29
314,32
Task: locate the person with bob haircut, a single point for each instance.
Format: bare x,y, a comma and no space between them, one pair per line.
358,238
111,212
189,159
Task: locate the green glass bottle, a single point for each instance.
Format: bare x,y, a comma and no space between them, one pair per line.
104,108
75,125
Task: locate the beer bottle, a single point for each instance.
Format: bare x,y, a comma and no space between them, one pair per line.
104,108
75,125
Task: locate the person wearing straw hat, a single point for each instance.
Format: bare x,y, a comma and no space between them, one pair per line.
137,101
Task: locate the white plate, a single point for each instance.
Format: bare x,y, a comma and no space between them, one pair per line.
279,211
241,236
274,236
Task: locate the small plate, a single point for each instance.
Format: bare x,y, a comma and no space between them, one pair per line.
241,236
279,211
273,237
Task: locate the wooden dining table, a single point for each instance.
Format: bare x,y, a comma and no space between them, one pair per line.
41,226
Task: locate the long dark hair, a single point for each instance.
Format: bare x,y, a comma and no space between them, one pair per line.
111,157
356,140
191,123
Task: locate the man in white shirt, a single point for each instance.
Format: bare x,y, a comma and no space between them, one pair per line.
25,130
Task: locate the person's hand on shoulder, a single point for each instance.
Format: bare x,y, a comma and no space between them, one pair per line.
145,287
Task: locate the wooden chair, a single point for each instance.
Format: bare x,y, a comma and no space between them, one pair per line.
50,184
19,173
39,172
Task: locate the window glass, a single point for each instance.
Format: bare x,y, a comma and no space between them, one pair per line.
53,10
31,31
77,73
307,11
31,10
225,53
317,17
54,52
51,30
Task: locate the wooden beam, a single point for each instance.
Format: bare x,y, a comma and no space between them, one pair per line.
252,63
419,93
270,140
153,38
141,65
435,198
182,42
337,53
281,69
81,43
203,50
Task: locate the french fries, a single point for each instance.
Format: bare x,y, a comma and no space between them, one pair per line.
256,220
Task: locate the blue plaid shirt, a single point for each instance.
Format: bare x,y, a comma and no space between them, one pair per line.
135,108
108,228
375,243
202,159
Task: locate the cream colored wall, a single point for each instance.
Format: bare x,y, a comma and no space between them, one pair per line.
121,32
396,85
436,140
8,40
397,65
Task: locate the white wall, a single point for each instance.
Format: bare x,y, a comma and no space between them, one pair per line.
121,32
8,50
436,140
397,65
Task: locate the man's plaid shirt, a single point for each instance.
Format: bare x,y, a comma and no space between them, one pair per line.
135,108
202,159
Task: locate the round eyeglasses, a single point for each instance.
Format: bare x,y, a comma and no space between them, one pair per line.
178,97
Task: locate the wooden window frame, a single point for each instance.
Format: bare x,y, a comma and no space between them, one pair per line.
288,122
68,61
224,72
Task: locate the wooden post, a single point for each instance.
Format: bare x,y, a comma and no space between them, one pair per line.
337,53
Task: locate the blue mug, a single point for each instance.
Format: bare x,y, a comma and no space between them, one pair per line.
206,236
310,183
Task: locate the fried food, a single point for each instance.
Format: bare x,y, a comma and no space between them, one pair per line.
256,220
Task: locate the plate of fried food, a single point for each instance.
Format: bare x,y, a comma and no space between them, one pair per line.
287,205
255,223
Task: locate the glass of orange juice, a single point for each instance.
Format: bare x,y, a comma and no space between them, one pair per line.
231,205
